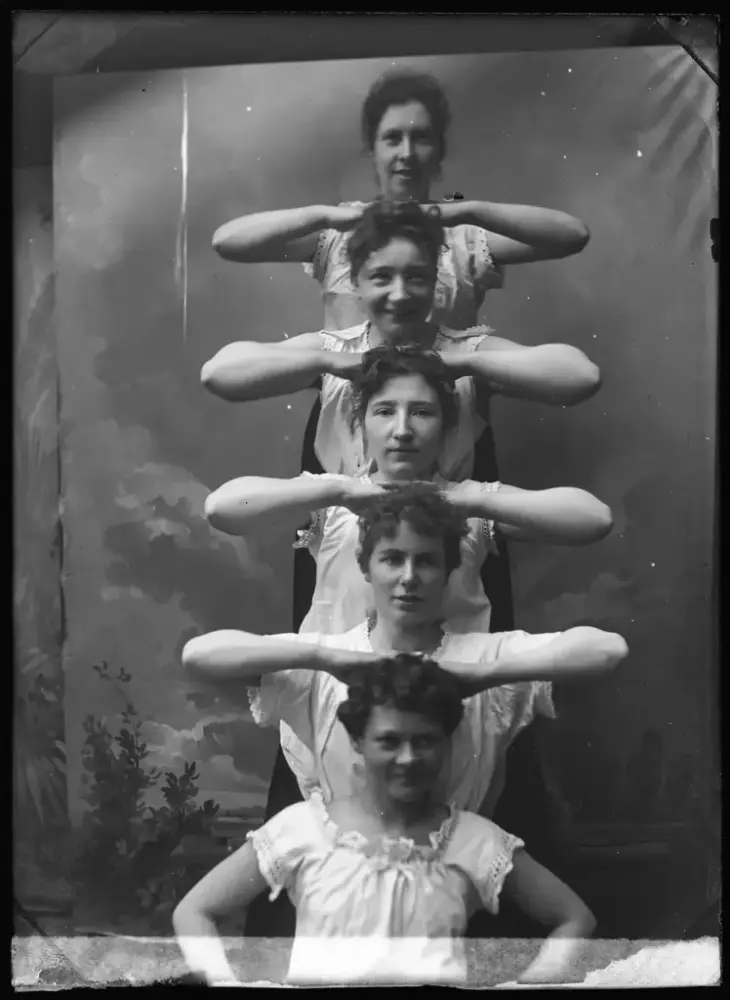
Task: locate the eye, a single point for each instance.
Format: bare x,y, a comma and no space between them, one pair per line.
425,742
382,411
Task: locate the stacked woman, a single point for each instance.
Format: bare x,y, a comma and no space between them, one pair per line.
405,123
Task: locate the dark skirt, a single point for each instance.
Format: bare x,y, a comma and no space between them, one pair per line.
523,807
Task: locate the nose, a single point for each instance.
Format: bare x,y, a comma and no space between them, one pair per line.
408,573
405,755
398,291
403,425
406,147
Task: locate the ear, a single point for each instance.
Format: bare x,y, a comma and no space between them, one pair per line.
356,744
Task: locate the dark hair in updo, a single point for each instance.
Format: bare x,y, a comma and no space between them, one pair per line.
384,220
406,682
402,86
419,505
384,363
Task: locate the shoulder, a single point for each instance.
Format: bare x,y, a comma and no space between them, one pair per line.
303,341
289,831
477,837
347,336
469,338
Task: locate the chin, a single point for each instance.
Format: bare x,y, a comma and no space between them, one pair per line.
409,795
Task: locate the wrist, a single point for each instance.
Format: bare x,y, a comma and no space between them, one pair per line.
457,213
341,364
324,214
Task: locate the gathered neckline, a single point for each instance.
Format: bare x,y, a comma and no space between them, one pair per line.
383,847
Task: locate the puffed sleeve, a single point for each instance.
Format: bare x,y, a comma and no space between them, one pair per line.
310,537
328,252
318,266
485,854
518,704
284,696
280,846
488,527
485,274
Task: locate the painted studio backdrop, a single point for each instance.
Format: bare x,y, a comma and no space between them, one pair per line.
146,167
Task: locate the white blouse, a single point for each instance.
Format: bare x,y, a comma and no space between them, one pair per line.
466,272
340,449
322,757
343,597
381,910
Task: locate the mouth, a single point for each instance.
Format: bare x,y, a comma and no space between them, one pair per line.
400,315
407,601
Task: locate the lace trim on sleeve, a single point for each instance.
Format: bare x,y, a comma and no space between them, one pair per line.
488,526
307,536
270,865
490,887
256,706
316,267
486,273
327,341
543,703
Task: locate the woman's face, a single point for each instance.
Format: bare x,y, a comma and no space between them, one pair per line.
403,752
396,286
406,152
403,428
408,576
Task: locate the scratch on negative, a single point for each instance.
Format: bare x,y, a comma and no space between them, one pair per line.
181,249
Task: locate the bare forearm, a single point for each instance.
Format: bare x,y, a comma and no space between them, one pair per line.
556,960
264,235
549,373
246,371
577,654
251,502
546,229
202,947
232,655
563,515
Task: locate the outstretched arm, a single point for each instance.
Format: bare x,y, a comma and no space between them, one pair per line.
254,502
520,234
233,655
542,896
230,887
563,515
249,370
288,234
576,654
558,374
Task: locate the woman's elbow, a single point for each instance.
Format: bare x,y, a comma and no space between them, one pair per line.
618,649
585,921
209,374
224,246
613,650
585,382
213,377
193,654
602,522
214,511
580,237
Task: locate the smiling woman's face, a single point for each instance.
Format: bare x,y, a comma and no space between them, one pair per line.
396,286
406,152
403,752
